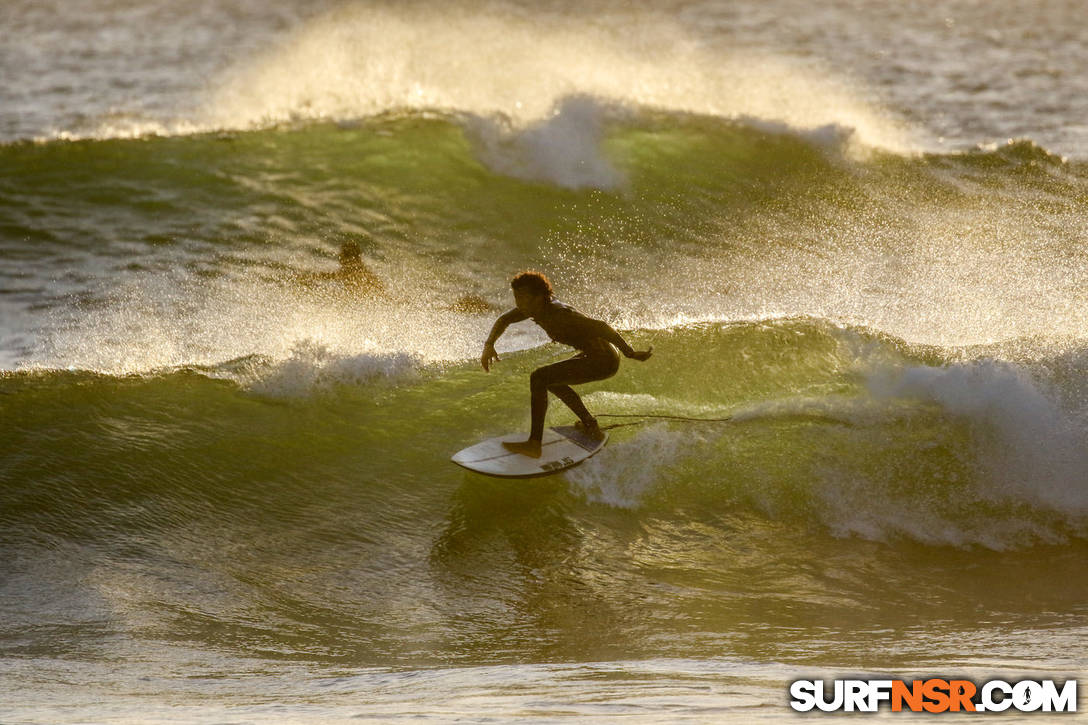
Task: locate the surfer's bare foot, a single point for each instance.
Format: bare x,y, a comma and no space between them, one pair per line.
591,429
529,448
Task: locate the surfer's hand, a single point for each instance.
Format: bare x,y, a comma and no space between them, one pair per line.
488,357
642,355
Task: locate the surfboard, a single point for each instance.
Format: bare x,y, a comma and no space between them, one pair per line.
561,448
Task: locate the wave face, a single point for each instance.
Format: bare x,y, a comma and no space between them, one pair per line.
180,500
217,441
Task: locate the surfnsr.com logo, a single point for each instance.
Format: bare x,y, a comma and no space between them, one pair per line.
933,695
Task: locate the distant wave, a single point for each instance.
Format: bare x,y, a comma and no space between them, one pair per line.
361,61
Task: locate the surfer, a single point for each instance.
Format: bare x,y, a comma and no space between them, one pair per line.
352,275
355,276
354,272
596,358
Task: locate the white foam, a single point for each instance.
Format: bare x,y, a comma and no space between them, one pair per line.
1009,472
1034,451
313,367
563,149
617,478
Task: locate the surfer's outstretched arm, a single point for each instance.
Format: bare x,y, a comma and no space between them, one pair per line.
505,320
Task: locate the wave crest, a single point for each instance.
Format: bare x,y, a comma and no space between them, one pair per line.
359,61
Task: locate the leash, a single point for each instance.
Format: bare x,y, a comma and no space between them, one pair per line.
645,417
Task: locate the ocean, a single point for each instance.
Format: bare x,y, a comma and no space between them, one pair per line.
857,229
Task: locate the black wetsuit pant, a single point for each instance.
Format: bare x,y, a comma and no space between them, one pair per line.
596,364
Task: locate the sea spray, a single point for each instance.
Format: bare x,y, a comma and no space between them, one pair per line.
359,61
623,473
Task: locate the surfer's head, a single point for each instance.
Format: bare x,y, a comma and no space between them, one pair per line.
531,290
534,282
350,255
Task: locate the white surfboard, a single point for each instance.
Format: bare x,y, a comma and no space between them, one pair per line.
562,447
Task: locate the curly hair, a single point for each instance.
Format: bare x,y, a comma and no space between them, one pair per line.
535,282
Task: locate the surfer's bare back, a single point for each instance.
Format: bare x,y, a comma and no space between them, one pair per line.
596,358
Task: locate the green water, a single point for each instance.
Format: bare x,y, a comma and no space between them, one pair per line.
220,461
